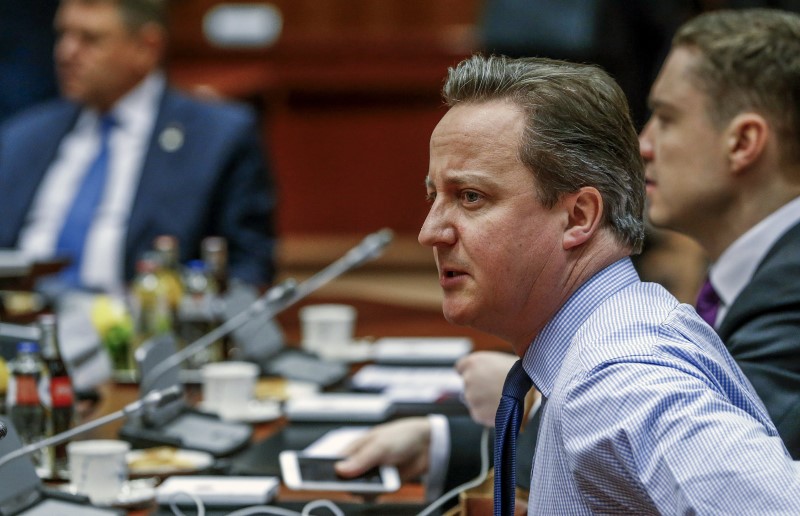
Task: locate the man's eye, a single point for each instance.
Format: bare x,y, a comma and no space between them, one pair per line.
470,196
662,119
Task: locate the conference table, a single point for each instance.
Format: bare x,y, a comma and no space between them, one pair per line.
375,320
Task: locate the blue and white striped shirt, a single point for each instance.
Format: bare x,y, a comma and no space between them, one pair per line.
647,413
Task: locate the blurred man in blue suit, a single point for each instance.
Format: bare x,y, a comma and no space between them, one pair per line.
158,161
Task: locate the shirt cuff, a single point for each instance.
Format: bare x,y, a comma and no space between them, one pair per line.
438,456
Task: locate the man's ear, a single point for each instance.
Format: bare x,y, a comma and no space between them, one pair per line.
747,137
584,212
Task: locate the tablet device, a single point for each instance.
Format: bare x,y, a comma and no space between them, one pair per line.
310,472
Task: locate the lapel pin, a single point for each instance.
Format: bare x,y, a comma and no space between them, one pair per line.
171,138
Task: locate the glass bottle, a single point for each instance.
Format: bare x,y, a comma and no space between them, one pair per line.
150,305
214,253
61,413
26,387
168,252
197,312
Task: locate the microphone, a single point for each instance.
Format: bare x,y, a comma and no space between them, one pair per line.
278,298
3,430
152,400
368,249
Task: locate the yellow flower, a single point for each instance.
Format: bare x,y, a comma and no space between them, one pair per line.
110,313
114,325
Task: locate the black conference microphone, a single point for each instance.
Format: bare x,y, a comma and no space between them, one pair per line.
153,399
368,249
3,430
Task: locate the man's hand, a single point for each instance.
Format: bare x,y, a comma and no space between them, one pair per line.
402,443
483,373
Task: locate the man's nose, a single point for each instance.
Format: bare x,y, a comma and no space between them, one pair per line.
436,230
645,142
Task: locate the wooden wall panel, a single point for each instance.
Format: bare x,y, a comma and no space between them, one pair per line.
349,96
406,22
348,170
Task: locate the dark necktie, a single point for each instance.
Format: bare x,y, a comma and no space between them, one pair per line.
708,303
507,421
79,219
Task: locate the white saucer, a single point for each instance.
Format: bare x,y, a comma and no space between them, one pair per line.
257,411
134,493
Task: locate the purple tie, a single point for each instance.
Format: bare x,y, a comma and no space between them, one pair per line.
708,303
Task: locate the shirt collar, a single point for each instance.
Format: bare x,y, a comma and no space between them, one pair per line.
735,267
134,111
547,351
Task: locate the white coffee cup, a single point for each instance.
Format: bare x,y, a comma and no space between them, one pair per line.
98,468
229,387
327,328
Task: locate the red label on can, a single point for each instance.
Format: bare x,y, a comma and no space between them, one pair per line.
61,392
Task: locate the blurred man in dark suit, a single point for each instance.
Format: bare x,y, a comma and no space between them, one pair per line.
722,154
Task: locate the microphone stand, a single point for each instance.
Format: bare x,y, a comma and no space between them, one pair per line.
279,298
153,399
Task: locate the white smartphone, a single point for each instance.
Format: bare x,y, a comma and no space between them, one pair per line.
308,472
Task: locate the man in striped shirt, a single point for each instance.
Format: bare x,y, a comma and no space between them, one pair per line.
537,196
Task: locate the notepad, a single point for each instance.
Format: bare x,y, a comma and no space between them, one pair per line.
217,490
444,380
339,407
421,350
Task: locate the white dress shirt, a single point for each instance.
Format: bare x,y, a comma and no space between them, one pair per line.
103,262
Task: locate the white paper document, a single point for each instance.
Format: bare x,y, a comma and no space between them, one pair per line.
442,380
421,350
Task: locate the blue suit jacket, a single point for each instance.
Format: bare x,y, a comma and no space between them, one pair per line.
215,183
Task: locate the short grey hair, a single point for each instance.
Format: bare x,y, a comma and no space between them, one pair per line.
578,131
749,61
